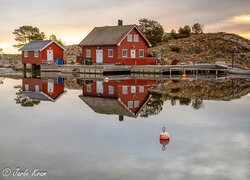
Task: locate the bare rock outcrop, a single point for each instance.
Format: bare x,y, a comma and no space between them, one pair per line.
205,48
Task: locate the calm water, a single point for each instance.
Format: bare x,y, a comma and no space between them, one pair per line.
94,129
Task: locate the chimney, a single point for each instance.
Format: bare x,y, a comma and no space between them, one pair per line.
120,23
121,118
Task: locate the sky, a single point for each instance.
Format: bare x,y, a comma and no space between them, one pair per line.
72,20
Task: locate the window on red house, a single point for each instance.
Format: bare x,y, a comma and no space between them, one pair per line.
136,38
36,54
130,38
136,104
141,53
88,53
124,53
124,89
111,89
110,53
130,104
25,53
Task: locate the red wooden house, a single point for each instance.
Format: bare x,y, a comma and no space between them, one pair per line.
121,97
45,89
42,52
123,44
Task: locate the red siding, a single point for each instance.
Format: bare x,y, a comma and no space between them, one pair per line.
105,49
142,44
58,89
43,86
117,53
125,98
57,53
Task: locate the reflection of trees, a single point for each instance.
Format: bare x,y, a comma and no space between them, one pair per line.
193,93
197,103
154,106
24,101
185,101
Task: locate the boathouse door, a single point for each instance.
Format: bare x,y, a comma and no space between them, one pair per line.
50,86
133,53
26,87
37,88
50,56
99,56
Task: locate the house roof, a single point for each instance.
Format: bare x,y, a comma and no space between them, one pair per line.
41,96
110,106
37,96
108,35
38,45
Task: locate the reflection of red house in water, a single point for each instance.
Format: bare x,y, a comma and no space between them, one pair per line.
123,97
49,89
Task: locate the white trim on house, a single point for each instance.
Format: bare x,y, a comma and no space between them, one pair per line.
139,33
50,44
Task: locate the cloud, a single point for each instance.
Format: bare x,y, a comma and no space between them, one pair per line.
75,16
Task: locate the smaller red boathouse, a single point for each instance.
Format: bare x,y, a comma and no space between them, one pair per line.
42,52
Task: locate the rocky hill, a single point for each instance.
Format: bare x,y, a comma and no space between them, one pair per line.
71,53
205,48
11,61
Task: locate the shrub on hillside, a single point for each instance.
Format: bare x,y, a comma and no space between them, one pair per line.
175,48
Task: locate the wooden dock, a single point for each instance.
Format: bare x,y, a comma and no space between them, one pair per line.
139,69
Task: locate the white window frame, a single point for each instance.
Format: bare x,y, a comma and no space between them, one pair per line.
136,38
123,55
110,53
88,53
137,104
26,54
130,104
36,54
111,89
124,89
141,51
141,89
130,38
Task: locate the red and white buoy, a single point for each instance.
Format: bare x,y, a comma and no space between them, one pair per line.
164,138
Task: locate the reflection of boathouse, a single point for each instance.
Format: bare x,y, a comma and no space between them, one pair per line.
121,97
49,89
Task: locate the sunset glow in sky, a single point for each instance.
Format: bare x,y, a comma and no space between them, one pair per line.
73,20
